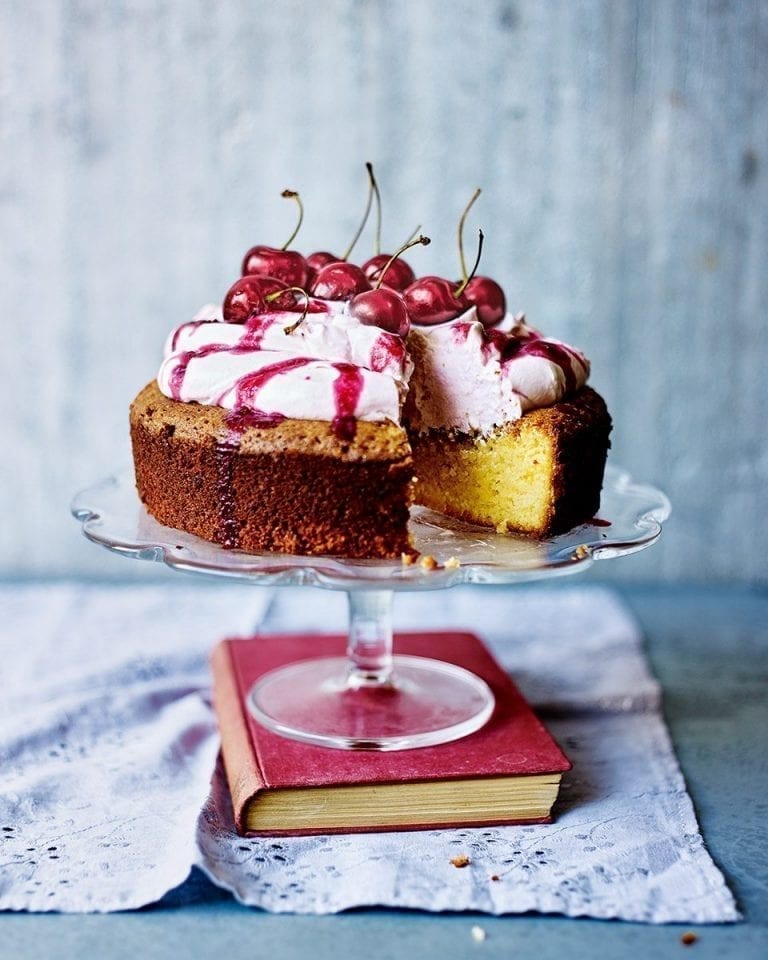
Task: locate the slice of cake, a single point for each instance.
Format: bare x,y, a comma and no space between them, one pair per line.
503,430
264,440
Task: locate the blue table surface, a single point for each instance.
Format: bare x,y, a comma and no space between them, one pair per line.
709,648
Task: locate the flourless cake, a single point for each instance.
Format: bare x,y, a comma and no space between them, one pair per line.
538,475
308,412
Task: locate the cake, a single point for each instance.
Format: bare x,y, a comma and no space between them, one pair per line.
309,412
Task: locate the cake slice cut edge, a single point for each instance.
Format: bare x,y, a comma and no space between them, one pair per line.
539,475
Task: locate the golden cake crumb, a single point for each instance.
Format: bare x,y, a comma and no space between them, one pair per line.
688,938
407,559
538,475
452,563
581,552
428,562
462,860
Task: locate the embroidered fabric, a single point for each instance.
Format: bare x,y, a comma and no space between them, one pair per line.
108,740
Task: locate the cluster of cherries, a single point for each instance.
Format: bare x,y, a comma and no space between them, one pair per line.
382,292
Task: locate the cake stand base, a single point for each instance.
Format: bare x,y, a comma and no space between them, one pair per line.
421,703
374,700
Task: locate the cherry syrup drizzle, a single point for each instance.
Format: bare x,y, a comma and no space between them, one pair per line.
530,346
244,414
347,388
255,329
224,458
556,353
387,348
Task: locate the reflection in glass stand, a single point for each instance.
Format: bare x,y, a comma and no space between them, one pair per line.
371,699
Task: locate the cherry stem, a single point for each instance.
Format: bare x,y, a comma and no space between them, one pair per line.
413,233
363,222
463,286
292,195
468,207
279,293
424,241
375,186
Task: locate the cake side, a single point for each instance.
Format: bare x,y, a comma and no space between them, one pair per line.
254,494
539,475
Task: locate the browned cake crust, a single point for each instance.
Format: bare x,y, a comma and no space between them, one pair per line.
580,429
292,488
574,434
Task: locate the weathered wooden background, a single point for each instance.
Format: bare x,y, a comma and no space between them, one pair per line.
621,144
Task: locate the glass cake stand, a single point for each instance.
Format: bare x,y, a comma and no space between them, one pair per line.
372,699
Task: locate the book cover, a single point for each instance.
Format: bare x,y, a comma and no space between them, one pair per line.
507,772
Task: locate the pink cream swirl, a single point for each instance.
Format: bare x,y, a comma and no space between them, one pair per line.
330,367
471,380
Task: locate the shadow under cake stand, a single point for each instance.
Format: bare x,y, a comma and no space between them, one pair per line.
372,699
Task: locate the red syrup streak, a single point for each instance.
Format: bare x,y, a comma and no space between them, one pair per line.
599,522
224,458
556,353
460,332
387,349
255,327
347,388
254,330
532,346
245,414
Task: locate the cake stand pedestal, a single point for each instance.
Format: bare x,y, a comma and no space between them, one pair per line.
372,699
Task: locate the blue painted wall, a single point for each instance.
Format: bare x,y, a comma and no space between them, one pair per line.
622,148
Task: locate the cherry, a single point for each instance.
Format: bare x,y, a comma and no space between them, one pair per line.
249,295
284,264
398,274
432,300
488,299
381,308
339,281
316,261
384,307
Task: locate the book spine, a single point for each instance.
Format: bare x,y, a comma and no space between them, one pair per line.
243,773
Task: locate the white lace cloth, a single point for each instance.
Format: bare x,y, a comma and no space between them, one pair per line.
107,743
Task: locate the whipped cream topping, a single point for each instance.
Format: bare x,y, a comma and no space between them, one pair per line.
329,367
469,379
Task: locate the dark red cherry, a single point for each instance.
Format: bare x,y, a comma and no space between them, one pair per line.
381,308
248,295
286,265
398,276
432,300
339,281
488,299
316,261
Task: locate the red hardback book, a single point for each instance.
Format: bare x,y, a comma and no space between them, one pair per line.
507,772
